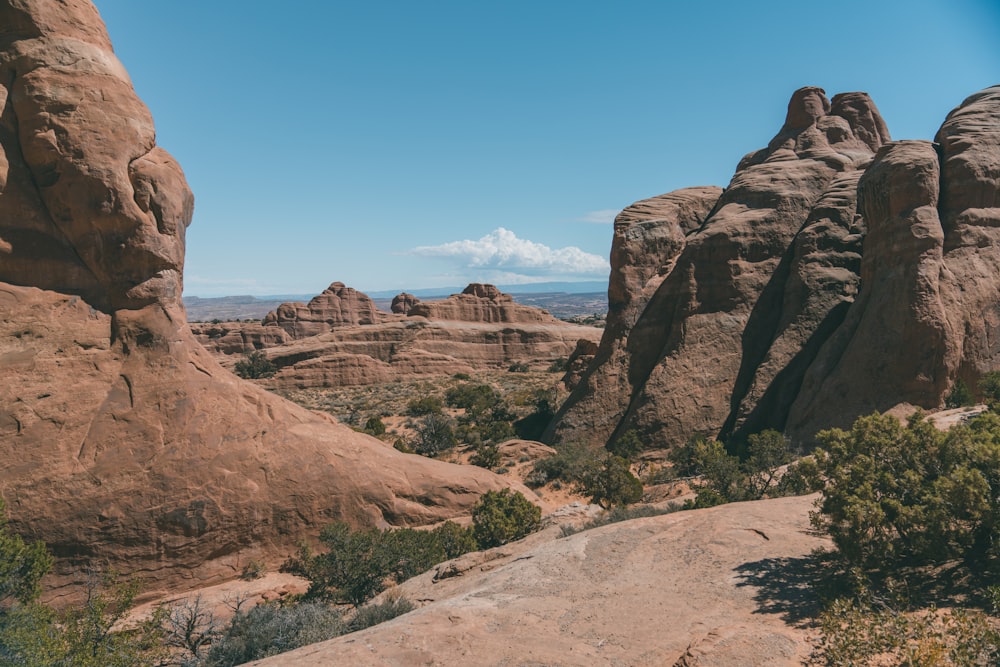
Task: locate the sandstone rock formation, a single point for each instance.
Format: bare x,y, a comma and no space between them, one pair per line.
337,306
124,443
402,302
417,347
480,303
682,356
480,329
838,274
238,337
728,583
928,312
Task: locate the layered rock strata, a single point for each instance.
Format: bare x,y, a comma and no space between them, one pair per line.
336,306
480,303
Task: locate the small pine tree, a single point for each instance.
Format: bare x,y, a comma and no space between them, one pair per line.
503,516
255,366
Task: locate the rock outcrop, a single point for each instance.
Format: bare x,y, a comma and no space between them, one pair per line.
480,303
419,348
840,273
124,443
337,306
675,370
480,329
728,587
928,313
402,302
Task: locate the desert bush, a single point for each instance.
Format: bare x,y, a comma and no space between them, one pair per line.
989,386
612,484
571,464
375,426
426,405
960,395
856,634
435,434
518,367
472,397
254,366
270,629
559,365
725,477
627,445
896,496
486,456
373,614
252,570
359,564
22,566
503,516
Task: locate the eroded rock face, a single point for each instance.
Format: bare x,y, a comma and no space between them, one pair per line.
840,273
675,368
648,238
402,302
480,303
124,443
337,306
928,313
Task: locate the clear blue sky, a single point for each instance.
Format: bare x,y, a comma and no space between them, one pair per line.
404,144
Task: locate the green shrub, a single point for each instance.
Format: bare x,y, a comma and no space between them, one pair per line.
854,634
435,434
254,366
373,614
375,426
473,397
486,456
912,496
627,445
427,405
960,396
571,464
613,484
519,367
503,516
22,566
989,386
359,564
559,365
270,629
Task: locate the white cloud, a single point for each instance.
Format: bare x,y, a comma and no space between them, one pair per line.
502,251
605,216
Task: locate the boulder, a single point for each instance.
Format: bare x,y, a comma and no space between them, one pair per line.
402,302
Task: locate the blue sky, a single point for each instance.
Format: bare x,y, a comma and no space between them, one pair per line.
404,145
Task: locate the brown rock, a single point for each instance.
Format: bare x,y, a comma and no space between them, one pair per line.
238,337
681,358
480,303
337,306
416,347
927,312
729,581
648,237
124,444
402,302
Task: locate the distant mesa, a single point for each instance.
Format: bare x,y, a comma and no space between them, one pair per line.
340,339
839,273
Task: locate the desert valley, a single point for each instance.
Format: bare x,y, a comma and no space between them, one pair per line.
779,445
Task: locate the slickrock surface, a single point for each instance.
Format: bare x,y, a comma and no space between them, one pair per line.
238,337
725,587
124,444
792,302
337,306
